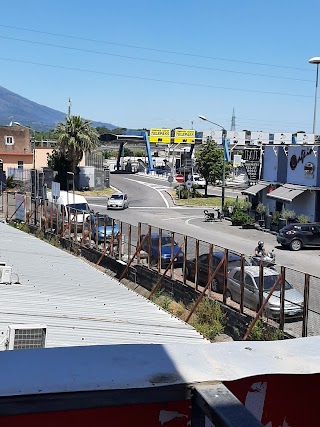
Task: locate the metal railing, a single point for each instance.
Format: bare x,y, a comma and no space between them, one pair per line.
205,267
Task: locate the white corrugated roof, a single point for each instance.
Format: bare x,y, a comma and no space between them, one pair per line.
79,304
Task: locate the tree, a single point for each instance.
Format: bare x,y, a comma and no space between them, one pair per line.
209,163
75,137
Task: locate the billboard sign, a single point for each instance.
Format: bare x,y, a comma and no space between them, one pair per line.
258,138
236,137
212,135
282,138
186,136
161,136
305,138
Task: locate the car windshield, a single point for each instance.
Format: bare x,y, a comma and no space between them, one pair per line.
82,207
117,197
269,281
165,241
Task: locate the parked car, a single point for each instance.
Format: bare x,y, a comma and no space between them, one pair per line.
198,180
296,236
118,201
234,260
105,226
165,254
293,304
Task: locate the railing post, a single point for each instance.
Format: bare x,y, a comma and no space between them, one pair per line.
210,266
260,284
306,305
282,297
185,239
196,266
159,250
129,241
225,275
139,246
241,283
149,246
120,241
172,255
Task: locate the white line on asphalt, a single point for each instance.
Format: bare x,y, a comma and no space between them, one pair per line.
147,185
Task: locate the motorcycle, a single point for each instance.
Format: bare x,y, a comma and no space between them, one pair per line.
268,260
216,215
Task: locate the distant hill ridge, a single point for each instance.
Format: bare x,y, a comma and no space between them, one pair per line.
28,113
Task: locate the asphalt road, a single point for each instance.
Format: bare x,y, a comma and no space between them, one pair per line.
149,203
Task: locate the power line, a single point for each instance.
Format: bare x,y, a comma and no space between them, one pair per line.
153,60
155,50
155,80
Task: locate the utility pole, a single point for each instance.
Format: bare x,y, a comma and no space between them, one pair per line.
69,108
233,121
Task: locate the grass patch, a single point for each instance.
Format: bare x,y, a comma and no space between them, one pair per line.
103,192
211,201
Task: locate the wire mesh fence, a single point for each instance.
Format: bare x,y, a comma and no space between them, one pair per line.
286,297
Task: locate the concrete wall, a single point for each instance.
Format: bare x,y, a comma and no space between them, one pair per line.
303,165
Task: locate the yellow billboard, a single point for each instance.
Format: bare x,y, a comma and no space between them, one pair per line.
184,136
161,136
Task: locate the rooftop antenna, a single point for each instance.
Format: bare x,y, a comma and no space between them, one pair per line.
233,121
69,108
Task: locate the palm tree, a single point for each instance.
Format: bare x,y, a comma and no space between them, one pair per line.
75,137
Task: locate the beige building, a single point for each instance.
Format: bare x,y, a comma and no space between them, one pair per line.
15,147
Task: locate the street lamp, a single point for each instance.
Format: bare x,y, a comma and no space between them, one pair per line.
315,60
223,159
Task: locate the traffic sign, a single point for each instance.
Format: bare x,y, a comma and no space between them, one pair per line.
179,177
170,178
189,184
184,136
161,136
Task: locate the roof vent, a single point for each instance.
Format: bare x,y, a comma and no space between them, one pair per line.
5,273
22,336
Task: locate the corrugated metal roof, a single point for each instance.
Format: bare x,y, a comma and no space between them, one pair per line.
79,304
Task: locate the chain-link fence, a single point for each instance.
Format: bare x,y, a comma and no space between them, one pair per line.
287,298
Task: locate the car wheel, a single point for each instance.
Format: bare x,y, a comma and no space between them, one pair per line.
295,245
214,285
189,275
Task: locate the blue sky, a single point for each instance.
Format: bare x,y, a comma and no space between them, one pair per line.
143,64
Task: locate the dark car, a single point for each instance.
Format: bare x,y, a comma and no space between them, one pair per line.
296,236
165,250
234,260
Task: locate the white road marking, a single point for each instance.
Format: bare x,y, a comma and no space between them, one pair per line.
147,184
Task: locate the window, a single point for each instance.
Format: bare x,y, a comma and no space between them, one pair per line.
20,164
9,140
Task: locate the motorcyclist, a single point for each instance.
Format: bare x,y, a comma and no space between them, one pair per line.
260,250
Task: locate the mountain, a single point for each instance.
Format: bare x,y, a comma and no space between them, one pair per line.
28,113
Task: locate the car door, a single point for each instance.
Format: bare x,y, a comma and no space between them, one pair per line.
203,268
250,296
315,235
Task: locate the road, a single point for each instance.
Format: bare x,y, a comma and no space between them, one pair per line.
150,204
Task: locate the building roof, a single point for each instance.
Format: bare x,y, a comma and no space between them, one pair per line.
79,304
288,192
254,189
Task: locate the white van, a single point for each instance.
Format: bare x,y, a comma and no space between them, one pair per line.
67,204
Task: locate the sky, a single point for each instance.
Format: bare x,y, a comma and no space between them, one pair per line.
161,64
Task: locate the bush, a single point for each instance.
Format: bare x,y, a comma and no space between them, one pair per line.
261,209
287,214
183,193
241,217
209,319
275,218
302,218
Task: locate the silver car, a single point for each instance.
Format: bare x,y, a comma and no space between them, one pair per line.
293,304
118,201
